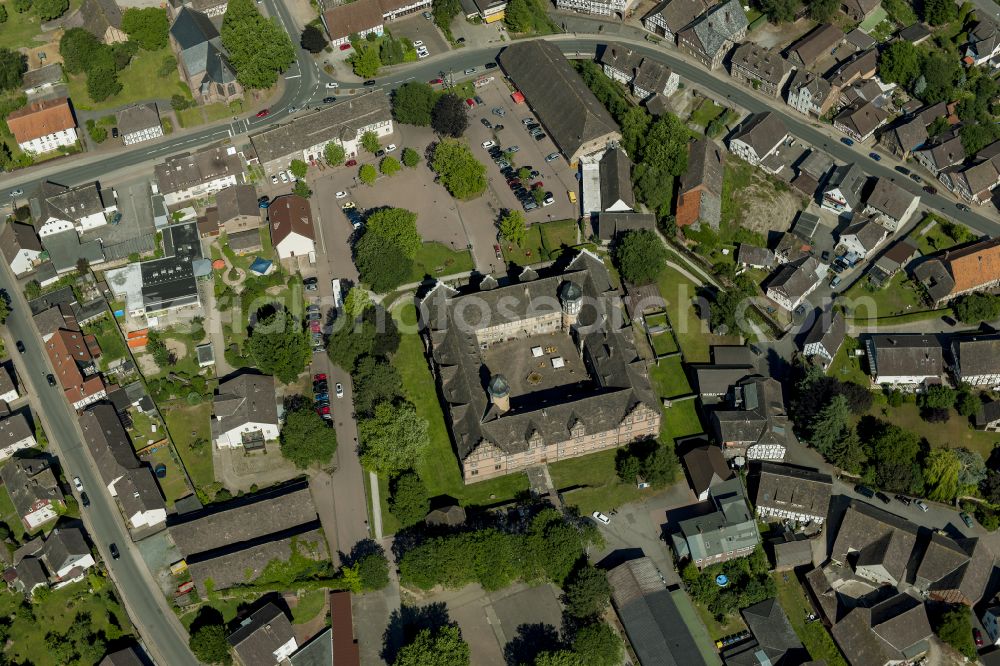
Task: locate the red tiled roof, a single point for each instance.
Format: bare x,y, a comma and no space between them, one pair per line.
41,119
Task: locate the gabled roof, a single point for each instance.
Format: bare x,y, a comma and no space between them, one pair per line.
850,180
762,132
977,354
186,170
973,265
108,442
616,179
794,489
905,355
795,278
567,108
290,214
48,74
29,480
238,200
817,42
191,28
819,88
718,26
827,331
874,636
706,467
704,167
247,398
765,64
138,117
62,545
352,18
40,119
874,537
889,198
99,15
863,117
868,233
260,635
15,237
678,14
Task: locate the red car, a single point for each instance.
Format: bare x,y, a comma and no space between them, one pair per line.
351,163
325,409
263,113
496,248
434,82
320,377
314,326
977,636
344,47
537,186
471,102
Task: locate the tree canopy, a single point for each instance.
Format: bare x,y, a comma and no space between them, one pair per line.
954,627
443,646
374,333
312,39
365,61
640,256
462,174
148,27
662,158
448,117
393,438
412,103
334,154
279,346
389,165
409,500
259,48
13,65
210,644
370,142
512,227
900,63
977,307
306,438
49,10
367,174
779,11
78,49
298,168
587,591
381,263
375,381
411,158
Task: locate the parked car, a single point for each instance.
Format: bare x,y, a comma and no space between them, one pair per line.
490,65
323,409
283,177
263,113
322,396
341,194
962,207
479,100
351,163
114,132
339,390
114,552
489,143
370,82
967,519
531,205
882,497
329,100
471,103
835,282
864,491
16,193
434,82
498,111
948,320
903,170
20,346
332,84
471,70
904,500
496,250
319,377
527,121
418,43
572,196
539,137
548,200
497,128
84,499
344,47
847,142
50,379
922,506
426,15
977,636
78,484
915,178
930,189
551,157
390,148
600,517
486,123
875,156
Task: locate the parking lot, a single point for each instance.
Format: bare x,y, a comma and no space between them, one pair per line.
556,176
418,29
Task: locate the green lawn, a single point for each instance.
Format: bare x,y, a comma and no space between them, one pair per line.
390,525
602,489
143,432
188,424
897,297
543,241
706,112
199,115
309,606
716,630
439,467
847,368
437,259
664,343
813,635
692,334
680,420
109,338
57,611
668,378
140,81
936,240
9,515
957,432
174,486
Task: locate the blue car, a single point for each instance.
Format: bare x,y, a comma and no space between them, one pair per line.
847,142
323,396
875,156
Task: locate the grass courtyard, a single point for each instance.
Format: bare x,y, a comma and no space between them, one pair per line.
188,425
813,635
140,81
437,259
109,338
668,378
542,242
692,333
601,489
897,297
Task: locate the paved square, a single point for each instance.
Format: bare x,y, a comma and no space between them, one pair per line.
530,374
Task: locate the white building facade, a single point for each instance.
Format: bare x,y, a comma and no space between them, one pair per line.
63,138
145,134
233,438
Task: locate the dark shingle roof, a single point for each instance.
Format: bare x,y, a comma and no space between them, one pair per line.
793,489
567,108
902,355
616,179
138,117
653,622
765,64
719,26
706,466
878,537
816,43
260,635
29,480
762,132
977,355
889,198
677,14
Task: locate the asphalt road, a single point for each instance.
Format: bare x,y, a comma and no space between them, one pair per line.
162,632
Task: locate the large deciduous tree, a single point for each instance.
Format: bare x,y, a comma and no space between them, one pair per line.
259,48
512,227
148,27
597,644
279,346
366,61
375,381
13,65
409,500
49,10
663,157
78,49
398,226
210,644
448,118
780,11
393,438
900,63
443,646
381,263
334,154
587,591
640,256
412,103
312,39
307,439
462,174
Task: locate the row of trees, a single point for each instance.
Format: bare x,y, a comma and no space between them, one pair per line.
934,12
417,103
259,48
45,10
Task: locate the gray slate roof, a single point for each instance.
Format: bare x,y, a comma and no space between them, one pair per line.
731,526
977,355
610,224
15,237
65,250
757,415
706,467
236,201
875,537
29,480
678,14
67,203
201,47
138,117
889,198
655,627
260,635
850,180
338,121
765,64
793,489
704,167
816,43
48,74
566,107
795,278
719,26
186,170
243,399
894,354
762,132
829,331
868,232
616,178
877,635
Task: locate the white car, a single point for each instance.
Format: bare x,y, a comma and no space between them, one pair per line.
921,505
332,85
291,176
489,144
471,70
274,180
391,147
340,390
284,178
422,54
418,43
341,195
600,517
78,484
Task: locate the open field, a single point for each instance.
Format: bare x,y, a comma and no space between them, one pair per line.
543,241
668,378
140,81
602,489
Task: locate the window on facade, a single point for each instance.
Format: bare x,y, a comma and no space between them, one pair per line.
474,472
497,466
